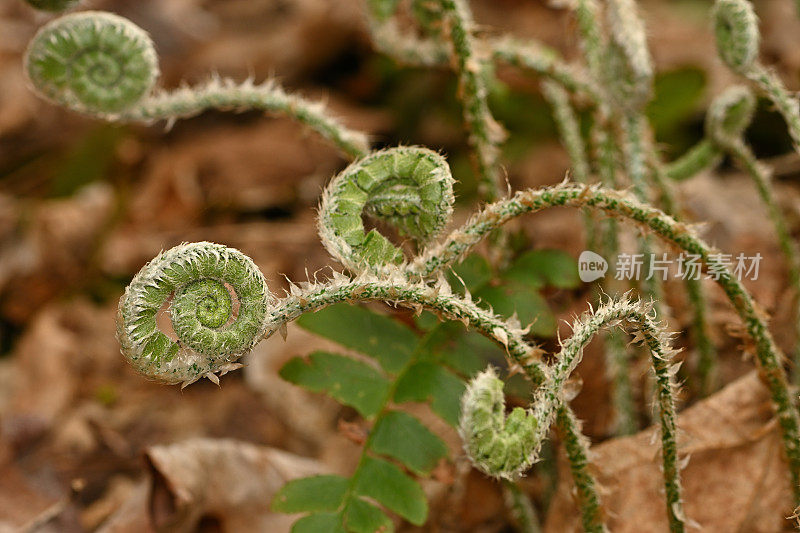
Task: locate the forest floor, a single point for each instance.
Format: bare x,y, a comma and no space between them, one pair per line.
88,445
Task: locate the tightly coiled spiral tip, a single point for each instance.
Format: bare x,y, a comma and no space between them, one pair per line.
198,283
410,188
499,446
736,32
52,5
93,62
730,114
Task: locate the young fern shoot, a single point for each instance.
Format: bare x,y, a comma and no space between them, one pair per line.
616,355
103,65
498,445
219,303
506,447
737,35
770,358
411,188
192,279
630,75
727,118
210,340
94,63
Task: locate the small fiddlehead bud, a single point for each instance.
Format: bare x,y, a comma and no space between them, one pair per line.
193,280
52,5
106,66
497,445
736,32
730,114
410,188
736,28
92,62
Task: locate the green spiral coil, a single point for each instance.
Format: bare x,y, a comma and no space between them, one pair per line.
410,188
497,445
730,113
92,62
736,32
210,336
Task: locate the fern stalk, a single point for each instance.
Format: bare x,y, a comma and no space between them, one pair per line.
769,357
485,134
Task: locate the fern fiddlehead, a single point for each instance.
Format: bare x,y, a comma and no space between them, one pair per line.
93,62
105,66
729,115
736,32
769,357
737,35
737,38
212,332
410,188
506,447
193,280
498,445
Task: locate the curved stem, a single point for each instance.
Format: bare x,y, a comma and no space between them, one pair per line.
699,157
770,358
451,307
526,55
225,94
762,179
593,45
618,362
616,355
484,133
648,331
570,133
569,128
546,62
707,366
395,289
576,446
633,149
787,105
706,351
522,510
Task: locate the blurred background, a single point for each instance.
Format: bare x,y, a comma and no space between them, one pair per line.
86,444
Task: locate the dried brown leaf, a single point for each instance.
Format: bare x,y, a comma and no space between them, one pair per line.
230,481
735,479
